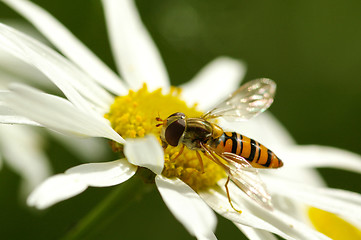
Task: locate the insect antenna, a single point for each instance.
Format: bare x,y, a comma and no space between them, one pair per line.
160,120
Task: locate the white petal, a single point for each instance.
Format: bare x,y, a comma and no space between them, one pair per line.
7,118
69,45
58,114
295,228
218,201
31,162
282,221
214,82
55,189
24,75
5,77
337,201
77,179
63,73
145,152
322,156
103,174
288,173
256,234
257,217
14,70
187,207
135,53
8,115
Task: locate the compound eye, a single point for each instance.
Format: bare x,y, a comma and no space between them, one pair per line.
178,114
174,131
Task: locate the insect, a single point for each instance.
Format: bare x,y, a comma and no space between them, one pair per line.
237,154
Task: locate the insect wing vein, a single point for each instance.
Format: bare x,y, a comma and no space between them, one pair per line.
248,101
246,178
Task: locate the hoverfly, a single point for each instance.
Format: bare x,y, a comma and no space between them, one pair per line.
237,154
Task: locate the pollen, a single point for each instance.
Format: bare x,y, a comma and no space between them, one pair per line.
134,115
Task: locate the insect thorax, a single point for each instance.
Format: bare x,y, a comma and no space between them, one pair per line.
197,131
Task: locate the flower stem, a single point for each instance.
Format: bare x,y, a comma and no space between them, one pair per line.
117,201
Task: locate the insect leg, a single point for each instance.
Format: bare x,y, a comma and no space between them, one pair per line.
229,197
164,145
200,161
179,153
210,154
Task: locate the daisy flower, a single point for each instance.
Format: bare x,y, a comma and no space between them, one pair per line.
89,109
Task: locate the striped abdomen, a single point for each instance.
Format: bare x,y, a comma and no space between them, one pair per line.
255,153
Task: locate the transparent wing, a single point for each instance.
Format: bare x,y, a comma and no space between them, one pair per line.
243,175
247,179
248,101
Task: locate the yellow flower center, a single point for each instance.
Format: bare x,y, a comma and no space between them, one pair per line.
134,115
332,226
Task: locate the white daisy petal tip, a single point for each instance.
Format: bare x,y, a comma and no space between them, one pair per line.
222,73
103,174
55,189
135,53
75,180
145,152
238,65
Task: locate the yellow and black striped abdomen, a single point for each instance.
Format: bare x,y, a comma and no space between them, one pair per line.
255,153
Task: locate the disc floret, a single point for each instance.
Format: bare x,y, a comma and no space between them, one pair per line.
134,115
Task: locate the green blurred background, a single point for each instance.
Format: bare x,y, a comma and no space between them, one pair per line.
310,48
